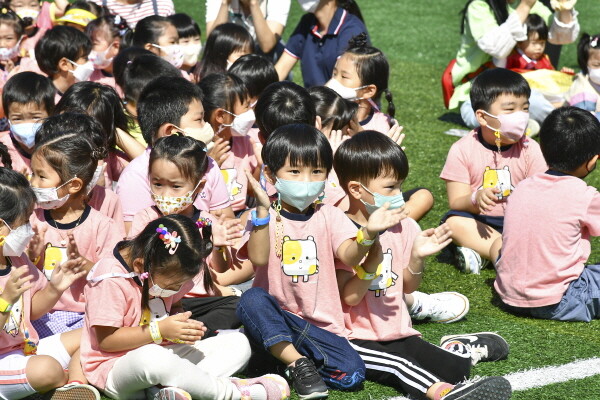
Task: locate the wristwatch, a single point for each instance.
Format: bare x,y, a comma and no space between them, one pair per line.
259,221
5,306
364,275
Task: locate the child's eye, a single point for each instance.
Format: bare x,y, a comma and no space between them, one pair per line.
317,171
295,171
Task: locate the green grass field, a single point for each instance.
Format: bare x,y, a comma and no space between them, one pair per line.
419,38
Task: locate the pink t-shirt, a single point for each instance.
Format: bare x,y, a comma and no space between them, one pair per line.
304,280
123,310
95,235
546,239
382,314
115,164
478,164
18,325
100,77
377,121
20,161
108,203
241,157
134,188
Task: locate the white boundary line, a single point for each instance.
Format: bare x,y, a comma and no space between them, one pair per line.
539,377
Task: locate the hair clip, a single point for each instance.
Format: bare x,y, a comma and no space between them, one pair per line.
594,41
171,240
117,20
4,10
143,276
202,222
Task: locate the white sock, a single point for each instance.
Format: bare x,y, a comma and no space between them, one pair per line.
417,303
257,392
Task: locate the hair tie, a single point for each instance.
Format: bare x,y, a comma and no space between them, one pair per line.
594,41
170,239
202,222
143,276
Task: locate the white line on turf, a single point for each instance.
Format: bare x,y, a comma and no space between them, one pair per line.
539,377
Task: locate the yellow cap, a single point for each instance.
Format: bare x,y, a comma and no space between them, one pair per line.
77,16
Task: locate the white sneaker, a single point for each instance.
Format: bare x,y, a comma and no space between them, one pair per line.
468,260
444,307
172,393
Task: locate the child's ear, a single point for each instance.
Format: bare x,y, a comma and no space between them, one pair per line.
167,129
75,186
269,176
63,65
152,49
480,115
318,123
354,190
368,92
591,164
138,266
220,116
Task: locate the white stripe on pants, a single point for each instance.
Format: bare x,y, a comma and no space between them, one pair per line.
202,369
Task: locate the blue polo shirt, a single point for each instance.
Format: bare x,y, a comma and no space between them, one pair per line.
318,53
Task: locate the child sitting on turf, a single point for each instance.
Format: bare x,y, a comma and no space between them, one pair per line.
483,168
167,107
62,54
585,90
541,269
371,168
27,99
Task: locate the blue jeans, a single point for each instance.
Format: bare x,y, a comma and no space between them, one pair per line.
539,108
267,324
581,301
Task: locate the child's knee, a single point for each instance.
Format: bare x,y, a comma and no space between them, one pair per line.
45,373
350,376
253,300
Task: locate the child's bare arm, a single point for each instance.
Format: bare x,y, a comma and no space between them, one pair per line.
352,287
461,198
259,246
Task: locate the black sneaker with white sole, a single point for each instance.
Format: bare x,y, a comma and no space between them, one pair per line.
492,388
483,346
306,380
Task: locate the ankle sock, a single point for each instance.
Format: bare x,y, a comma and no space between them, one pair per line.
442,391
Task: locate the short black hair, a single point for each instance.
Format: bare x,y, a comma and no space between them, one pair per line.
221,91
61,41
367,155
535,23
29,87
165,101
303,144
185,25
256,71
123,59
332,108
569,137
143,70
492,83
586,44
283,103
17,198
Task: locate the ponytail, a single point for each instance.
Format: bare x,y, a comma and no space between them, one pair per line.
351,7
391,110
5,156
206,232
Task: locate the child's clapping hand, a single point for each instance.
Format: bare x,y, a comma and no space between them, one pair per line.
383,218
432,241
262,198
180,328
68,272
226,231
17,284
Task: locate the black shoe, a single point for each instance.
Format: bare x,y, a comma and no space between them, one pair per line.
483,346
306,380
492,388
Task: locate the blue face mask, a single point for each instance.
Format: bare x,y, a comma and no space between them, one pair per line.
25,133
299,194
395,201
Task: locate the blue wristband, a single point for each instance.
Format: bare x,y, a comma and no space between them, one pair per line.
259,221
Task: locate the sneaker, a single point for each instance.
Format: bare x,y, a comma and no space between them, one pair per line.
468,260
483,346
444,307
492,388
306,380
274,385
75,391
172,393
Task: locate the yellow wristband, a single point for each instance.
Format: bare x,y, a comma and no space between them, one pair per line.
360,238
155,332
364,275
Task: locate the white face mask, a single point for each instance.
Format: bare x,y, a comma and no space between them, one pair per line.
204,134
242,123
174,204
10,53
173,54
25,132
191,52
594,74
47,198
82,72
157,291
309,6
17,240
28,13
345,92
97,173
99,60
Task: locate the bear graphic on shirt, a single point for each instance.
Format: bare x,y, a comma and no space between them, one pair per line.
13,323
385,277
156,311
53,257
233,186
299,258
499,179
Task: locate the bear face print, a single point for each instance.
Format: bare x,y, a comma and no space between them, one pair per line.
233,186
385,276
299,258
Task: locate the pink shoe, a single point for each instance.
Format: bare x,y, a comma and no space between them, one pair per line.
172,393
276,386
